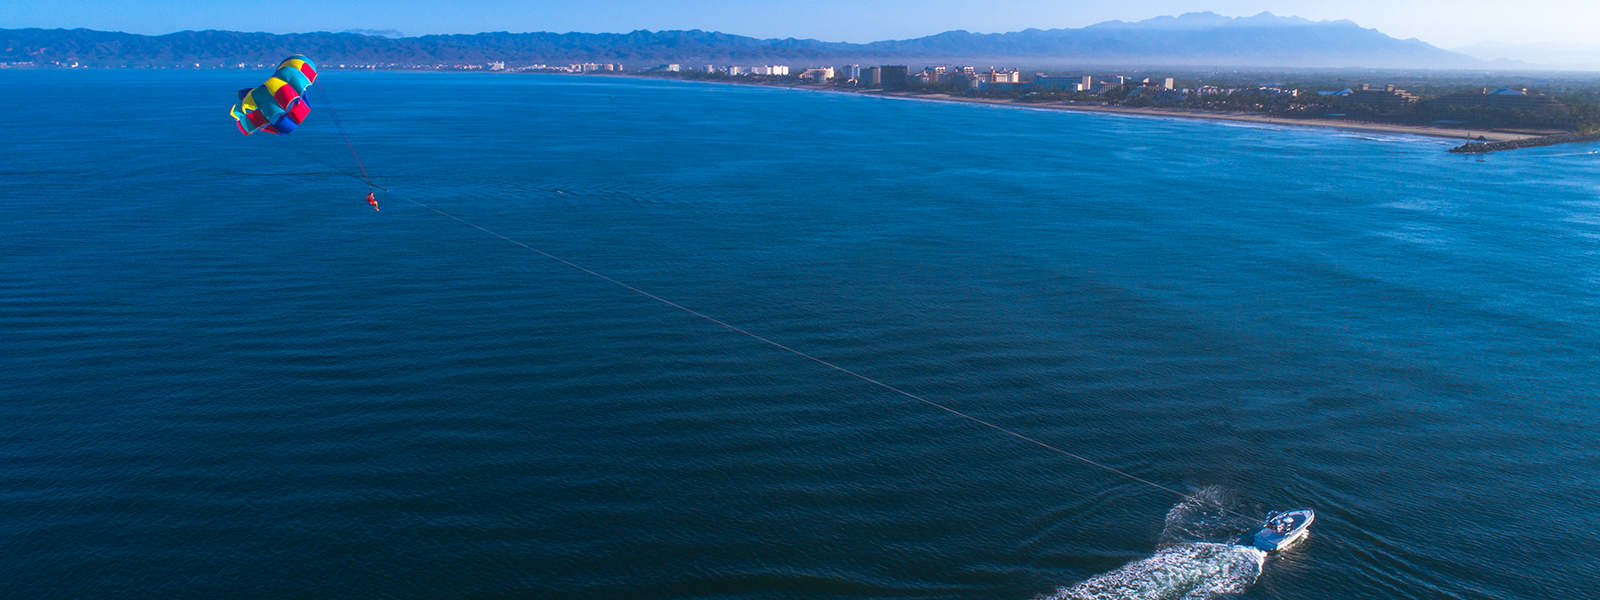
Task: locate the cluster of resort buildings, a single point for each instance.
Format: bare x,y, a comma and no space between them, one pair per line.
969,78
962,77
984,79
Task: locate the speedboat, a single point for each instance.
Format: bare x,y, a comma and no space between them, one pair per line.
1284,529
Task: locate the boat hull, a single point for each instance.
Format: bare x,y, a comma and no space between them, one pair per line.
1284,530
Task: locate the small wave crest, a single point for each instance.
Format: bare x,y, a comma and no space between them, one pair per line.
1199,558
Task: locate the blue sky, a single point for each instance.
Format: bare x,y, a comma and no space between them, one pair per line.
1445,23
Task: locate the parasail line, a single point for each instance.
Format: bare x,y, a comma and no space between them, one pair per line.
340,126
369,182
809,357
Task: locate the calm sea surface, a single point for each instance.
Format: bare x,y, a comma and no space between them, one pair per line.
222,375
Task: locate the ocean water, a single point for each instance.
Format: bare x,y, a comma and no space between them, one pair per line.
225,376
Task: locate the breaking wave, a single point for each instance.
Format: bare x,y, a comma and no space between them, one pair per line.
1199,558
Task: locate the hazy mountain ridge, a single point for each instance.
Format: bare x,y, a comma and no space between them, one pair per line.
1190,39
1210,20
1196,39
1547,54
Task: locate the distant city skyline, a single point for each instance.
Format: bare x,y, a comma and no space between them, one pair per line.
1443,23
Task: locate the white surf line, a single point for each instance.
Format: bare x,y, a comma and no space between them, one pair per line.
798,353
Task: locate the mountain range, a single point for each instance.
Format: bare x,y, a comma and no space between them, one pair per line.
1554,55
1194,39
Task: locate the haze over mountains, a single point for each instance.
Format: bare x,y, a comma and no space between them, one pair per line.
1585,57
1194,39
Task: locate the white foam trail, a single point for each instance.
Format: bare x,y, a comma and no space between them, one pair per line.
1198,559
1184,572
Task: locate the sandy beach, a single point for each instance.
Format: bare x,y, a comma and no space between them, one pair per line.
1489,135
1492,135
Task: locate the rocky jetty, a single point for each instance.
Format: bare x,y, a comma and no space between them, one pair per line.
1549,140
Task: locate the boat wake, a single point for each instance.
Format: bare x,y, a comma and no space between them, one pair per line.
1197,571
1199,558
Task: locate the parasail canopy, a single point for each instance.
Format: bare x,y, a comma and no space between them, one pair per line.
277,106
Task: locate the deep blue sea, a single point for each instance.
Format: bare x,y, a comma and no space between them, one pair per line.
223,375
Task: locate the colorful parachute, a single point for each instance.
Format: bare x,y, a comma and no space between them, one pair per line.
277,106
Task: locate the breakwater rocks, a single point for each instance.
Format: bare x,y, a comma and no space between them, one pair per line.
1549,140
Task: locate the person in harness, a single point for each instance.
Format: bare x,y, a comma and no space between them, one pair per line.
373,201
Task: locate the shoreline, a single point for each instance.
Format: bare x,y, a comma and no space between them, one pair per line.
1489,135
1442,133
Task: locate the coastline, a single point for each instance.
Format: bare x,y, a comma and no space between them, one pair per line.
1459,135
1176,113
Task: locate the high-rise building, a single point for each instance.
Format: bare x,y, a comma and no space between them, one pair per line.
872,77
821,75
895,76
